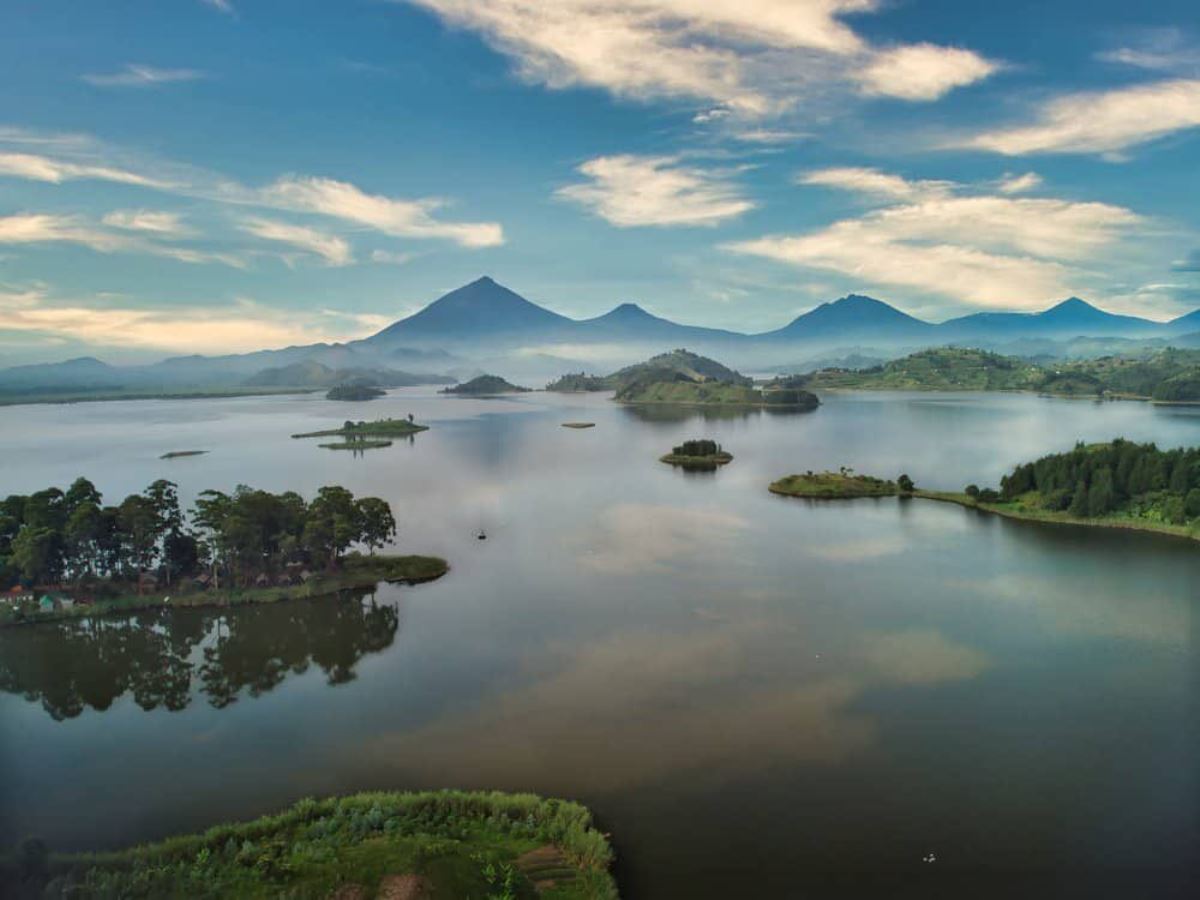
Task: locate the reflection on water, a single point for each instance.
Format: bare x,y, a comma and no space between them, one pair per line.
164,658
668,414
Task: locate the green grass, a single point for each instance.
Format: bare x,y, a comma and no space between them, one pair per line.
381,428
833,486
464,844
357,572
708,393
697,462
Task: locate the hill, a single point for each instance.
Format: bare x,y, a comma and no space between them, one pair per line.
852,317
310,373
485,385
940,369
662,367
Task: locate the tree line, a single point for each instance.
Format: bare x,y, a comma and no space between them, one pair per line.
56,536
1092,480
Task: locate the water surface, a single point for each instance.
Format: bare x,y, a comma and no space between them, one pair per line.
758,696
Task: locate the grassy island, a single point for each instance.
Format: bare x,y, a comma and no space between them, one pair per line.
1118,484
65,555
578,424
698,455
843,485
175,454
380,428
357,445
385,844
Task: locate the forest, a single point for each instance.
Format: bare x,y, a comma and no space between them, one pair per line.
1094,480
55,537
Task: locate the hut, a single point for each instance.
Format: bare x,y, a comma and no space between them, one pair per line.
47,604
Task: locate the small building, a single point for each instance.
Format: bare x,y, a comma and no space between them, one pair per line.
66,603
47,604
18,594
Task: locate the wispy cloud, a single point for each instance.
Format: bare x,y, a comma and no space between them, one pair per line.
923,71
332,249
1019,184
1158,50
167,224
46,228
135,75
630,191
221,5
36,167
753,57
987,250
243,326
1104,122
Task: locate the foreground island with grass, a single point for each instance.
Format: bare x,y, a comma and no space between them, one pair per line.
1118,484
65,555
417,846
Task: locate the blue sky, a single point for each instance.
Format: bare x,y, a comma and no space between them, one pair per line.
200,175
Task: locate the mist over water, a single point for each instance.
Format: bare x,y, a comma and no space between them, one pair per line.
746,689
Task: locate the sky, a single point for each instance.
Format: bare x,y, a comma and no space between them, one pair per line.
183,176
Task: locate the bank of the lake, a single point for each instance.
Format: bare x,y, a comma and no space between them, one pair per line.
356,572
414,845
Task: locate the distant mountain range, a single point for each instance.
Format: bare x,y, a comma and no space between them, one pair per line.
484,325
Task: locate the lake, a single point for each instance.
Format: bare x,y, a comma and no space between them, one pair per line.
758,696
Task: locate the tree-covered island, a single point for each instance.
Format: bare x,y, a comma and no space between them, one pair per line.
698,455
417,846
367,435
1118,484
65,553
485,386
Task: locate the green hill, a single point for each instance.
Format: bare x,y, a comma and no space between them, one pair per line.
485,385
658,368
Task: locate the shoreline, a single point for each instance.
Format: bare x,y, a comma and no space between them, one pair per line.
1003,510
358,572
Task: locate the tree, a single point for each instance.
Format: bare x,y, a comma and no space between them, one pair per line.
378,524
37,554
972,491
1191,503
139,524
81,538
1079,500
905,484
1100,494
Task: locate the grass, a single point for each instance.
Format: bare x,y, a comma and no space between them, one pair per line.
834,486
381,428
357,571
175,454
697,462
463,844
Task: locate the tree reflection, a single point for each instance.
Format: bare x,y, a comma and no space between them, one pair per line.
165,658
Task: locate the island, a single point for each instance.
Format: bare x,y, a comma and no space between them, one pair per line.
1165,376
485,386
1118,484
665,366
578,424
701,455
416,845
65,554
367,435
175,454
354,392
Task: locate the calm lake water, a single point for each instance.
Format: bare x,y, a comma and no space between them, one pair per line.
759,697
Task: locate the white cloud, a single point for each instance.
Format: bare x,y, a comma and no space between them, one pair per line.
243,327
46,228
874,182
989,251
134,75
1020,184
1158,50
1103,122
749,57
331,248
150,221
770,136
221,5
923,71
55,171
399,218
392,257
630,191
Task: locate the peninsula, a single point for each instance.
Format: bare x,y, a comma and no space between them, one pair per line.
383,844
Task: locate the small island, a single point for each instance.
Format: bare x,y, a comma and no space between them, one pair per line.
840,485
357,445
250,546
357,433
702,455
176,454
485,386
355,392
383,844
578,424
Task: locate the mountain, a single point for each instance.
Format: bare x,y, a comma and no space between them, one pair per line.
310,373
84,371
852,317
1070,318
1185,324
632,323
481,310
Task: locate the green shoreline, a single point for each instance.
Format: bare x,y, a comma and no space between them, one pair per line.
1011,511
387,843
357,572
35,399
